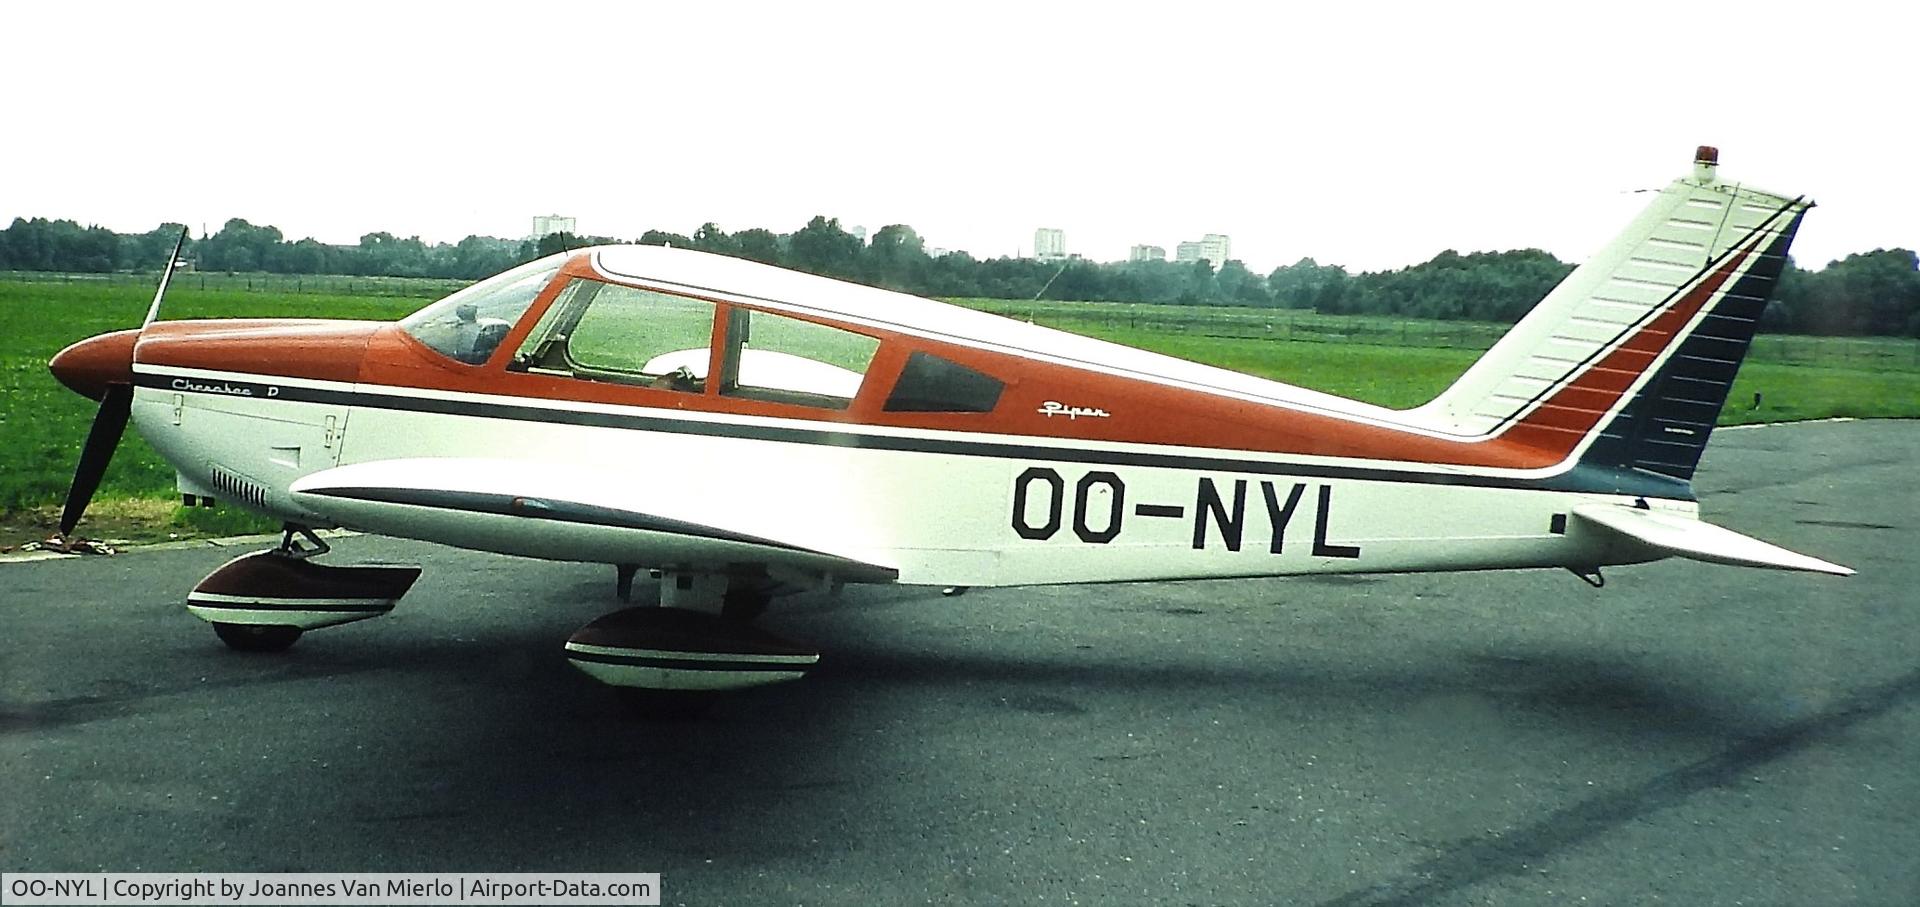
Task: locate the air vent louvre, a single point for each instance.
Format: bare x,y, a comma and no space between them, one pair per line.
238,488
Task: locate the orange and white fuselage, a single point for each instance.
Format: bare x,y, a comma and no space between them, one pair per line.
927,443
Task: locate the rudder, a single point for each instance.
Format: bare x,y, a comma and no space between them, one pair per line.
1664,426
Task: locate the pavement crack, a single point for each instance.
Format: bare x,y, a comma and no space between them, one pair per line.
1509,852
75,710
1845,524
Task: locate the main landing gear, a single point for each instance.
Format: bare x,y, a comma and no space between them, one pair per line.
666,661
672,661
262,602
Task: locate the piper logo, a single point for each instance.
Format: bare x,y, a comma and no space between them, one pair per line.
1053,408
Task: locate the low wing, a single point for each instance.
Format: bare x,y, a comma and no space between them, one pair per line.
1691,538
567,513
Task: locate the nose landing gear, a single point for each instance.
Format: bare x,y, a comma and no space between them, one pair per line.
264,601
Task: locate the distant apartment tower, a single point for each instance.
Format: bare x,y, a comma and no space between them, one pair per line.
1147,253
1050,244
549,224
1214,247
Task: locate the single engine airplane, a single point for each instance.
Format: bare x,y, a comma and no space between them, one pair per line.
742,431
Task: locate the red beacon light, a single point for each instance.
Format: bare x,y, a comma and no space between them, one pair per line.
1706,160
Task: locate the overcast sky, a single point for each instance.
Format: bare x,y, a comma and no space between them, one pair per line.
1371,136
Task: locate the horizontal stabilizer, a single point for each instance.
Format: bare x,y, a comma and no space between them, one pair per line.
1691,538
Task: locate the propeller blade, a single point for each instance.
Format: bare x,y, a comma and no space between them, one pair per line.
153,311
108,424
110,421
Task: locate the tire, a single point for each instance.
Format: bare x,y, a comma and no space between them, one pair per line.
257,637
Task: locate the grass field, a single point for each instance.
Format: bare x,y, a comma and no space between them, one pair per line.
1404,377
1100,318
1392,363
42,424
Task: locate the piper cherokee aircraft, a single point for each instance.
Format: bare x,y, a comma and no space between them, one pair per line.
743,431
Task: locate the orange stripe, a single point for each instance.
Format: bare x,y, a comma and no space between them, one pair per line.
1142,412
1576,410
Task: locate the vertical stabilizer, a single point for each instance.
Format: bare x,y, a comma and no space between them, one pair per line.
1636,350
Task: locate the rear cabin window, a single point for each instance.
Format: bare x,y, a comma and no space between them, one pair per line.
623,335
930,384
777,359
469,325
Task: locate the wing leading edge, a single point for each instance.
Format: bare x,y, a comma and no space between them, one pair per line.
561,514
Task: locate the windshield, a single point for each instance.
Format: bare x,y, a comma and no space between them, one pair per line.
470,324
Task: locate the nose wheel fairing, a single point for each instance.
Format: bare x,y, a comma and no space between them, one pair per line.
274,588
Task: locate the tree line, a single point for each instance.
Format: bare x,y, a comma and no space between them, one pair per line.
1869,293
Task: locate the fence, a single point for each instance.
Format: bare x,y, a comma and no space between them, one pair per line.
329,284
1120,319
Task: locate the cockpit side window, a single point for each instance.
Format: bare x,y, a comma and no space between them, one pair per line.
623,335
469,325
931,384
776,359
